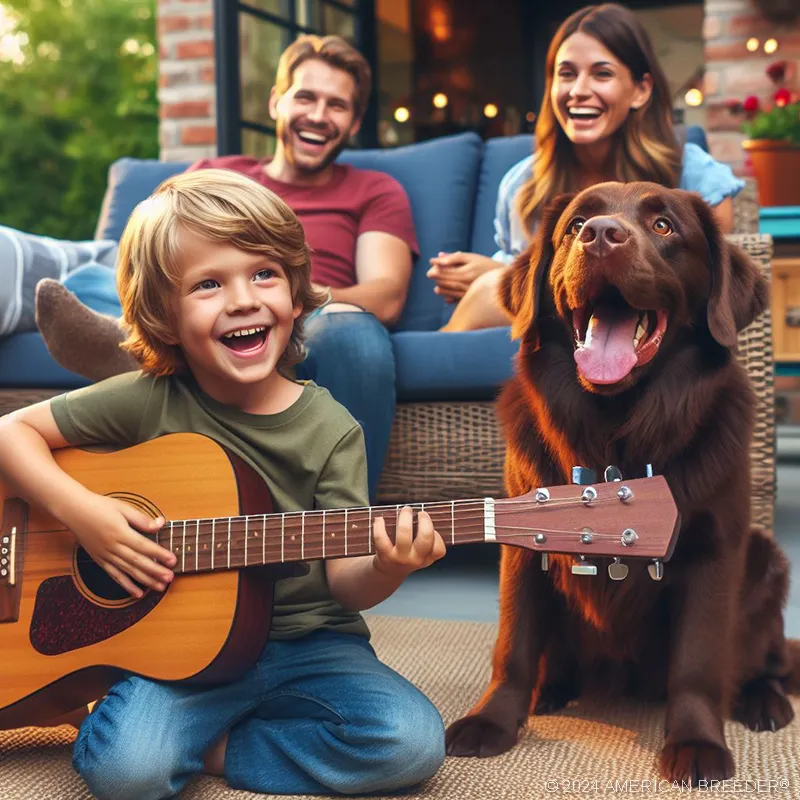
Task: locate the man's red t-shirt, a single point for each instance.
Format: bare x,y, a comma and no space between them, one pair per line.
334,215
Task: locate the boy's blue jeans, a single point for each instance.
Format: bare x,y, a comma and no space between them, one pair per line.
316,715
350,354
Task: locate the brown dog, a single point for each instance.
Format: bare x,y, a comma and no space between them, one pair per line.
628,307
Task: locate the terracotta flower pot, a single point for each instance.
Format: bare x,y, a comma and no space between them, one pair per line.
776,166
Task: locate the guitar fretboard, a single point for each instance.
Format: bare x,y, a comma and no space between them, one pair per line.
202,545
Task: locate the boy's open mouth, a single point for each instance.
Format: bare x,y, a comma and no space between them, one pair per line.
245,339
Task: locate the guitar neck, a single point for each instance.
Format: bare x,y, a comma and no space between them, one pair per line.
203,545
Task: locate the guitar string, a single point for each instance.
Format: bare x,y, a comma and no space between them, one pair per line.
500,508
363,539
317,557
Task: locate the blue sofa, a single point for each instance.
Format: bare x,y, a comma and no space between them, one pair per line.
452,184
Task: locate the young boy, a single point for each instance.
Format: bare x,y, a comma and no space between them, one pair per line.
215,282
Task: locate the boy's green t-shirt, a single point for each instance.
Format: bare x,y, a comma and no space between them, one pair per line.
311,456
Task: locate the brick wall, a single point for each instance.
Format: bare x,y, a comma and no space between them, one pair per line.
732,72
186,92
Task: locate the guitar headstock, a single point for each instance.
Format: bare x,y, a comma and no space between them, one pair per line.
619,519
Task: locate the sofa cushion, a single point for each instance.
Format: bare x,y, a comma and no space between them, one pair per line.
499,156
130,180
432,365
439,177
26,363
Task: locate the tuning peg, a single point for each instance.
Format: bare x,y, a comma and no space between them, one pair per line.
656,570
625,494
648,471
583,567
617,571
612,474
545,562
583,476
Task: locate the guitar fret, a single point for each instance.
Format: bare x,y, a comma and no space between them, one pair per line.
303,536
369,531
197,548
264,540
171,526
213,526
323,533
345,531
283,537
229,542
245,540
183,549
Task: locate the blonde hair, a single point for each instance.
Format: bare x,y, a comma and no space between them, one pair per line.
336,53
647,147
220,206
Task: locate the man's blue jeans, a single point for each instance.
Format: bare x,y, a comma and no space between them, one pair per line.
315,715
350,354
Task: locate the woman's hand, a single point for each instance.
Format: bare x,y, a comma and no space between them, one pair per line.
454,272
408,553
110,531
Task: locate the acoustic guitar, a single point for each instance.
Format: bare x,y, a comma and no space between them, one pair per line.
68,631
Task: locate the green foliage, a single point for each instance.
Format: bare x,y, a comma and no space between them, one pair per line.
77,91
779,122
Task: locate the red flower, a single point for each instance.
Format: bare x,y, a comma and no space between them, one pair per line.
782,97
751,104
777,71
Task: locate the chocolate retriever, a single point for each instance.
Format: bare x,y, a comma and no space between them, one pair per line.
628,307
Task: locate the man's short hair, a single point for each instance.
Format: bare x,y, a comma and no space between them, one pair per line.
335,52
218,205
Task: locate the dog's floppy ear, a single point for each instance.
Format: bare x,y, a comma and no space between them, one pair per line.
739,292
521,286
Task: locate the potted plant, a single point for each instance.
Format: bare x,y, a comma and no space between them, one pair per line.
773,142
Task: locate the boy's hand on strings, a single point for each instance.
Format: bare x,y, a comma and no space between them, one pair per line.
409,552
110,530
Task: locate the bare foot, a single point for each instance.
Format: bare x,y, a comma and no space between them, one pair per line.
214,761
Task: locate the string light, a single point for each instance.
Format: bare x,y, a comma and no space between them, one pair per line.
402,114
440,100
694,97
490,110
770,46
752,44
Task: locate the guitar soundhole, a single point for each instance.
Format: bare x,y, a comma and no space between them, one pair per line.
96,580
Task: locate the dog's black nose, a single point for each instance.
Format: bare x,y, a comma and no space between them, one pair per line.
601,234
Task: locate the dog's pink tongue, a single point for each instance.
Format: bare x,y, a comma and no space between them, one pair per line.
607,355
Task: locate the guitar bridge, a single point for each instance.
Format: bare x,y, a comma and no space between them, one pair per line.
15,513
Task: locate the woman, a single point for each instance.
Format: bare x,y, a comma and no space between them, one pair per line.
606,115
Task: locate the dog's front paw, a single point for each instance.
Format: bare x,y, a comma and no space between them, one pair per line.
762,705
693,762
477,735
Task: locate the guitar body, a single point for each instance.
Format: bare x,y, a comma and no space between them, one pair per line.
207,627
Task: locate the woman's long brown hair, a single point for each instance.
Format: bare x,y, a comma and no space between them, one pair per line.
647,149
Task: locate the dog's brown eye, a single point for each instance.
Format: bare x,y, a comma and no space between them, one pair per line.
576,225
663,226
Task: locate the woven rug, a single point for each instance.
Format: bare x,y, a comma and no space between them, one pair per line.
602,749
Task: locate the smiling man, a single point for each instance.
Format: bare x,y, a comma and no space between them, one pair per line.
358,225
